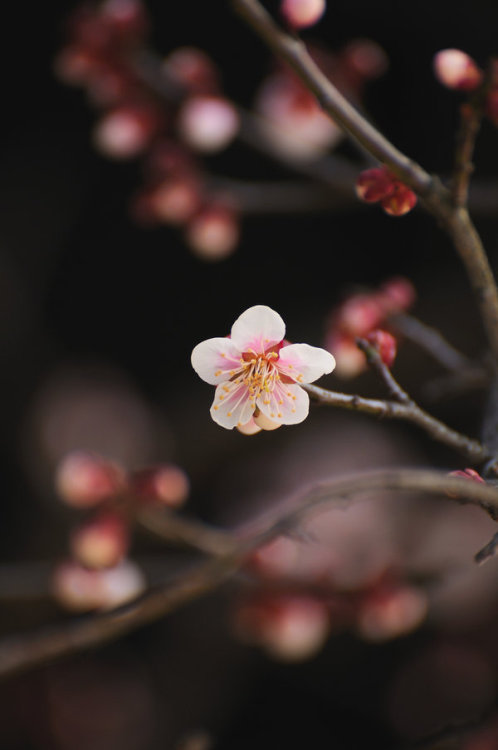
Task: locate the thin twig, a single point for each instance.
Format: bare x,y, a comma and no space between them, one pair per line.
174,529
435,196
375,360
20,653
430,340
474,451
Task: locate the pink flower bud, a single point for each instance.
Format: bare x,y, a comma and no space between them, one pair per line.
192,69
291,628
101,542
80,590
208,124
389,612
76,588
349,360
466,474
456,70
175,200
214,233
168,485
374,184
125,132
385,344
277,559
398,294
261,420
83,480
302,13
359,314
400,201
249,428
126,17
366,58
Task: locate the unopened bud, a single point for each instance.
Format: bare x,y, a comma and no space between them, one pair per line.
399,202
101,542
125,132
208,124
349,360
165,484
80,590
392,612
265,422
385,344
367,58
456,70
83,480
213,234
175,200
193,69
471,474
249,428
374,184
302,13
291,628
398,294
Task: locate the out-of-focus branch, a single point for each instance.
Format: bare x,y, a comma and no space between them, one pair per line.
430,340
176,530
24,652
435,196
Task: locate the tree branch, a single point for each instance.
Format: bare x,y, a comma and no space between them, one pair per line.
473,450
20,653
436,198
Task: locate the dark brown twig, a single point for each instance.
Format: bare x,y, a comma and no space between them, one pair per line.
473,450
20,653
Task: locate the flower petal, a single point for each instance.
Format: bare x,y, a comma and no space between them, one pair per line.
216,360
232,405
258,328
286,404
304,363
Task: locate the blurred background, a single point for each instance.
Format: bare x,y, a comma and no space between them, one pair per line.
98,317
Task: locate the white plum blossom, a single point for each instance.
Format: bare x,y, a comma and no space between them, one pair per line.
257,373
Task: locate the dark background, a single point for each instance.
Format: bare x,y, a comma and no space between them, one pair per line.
82,287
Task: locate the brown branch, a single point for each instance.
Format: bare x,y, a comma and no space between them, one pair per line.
20,653
470,123
473,450
436,198
174,529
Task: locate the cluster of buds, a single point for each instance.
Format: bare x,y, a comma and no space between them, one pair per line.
293,121
98,575
293,626
456,70
191,115
379,185
366,315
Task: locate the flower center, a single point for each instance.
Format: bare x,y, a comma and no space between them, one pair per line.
259,373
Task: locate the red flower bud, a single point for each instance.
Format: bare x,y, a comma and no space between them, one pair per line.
385,344
375,184
400,201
